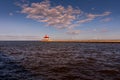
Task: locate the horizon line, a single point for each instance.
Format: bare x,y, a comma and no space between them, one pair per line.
87,40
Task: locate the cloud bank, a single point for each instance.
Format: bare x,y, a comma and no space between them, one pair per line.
18,37
58,16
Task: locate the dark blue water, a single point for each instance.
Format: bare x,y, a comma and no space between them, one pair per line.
61,61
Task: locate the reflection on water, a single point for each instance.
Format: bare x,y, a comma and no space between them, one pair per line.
64,61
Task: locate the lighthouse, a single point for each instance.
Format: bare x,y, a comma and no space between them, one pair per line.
46,38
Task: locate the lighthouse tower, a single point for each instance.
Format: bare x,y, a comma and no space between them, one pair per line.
46,38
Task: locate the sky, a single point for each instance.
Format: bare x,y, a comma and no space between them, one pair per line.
60,19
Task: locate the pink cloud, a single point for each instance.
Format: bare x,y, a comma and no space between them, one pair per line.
106,19
58,16
104,30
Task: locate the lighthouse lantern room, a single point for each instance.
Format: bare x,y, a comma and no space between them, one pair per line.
46,38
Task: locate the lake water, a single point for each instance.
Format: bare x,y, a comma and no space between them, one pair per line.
33,60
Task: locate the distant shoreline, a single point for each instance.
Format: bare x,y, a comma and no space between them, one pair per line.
87,41
94,41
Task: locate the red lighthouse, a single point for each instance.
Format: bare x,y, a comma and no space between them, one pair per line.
46,38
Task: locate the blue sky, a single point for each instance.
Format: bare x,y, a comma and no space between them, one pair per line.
60,19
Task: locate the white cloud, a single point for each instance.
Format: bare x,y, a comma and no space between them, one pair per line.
100,30
93,8
90,17
10,14
74,32
58,16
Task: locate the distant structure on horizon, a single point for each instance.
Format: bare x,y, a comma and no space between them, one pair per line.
46,38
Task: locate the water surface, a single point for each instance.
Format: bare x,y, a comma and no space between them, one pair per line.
61,61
